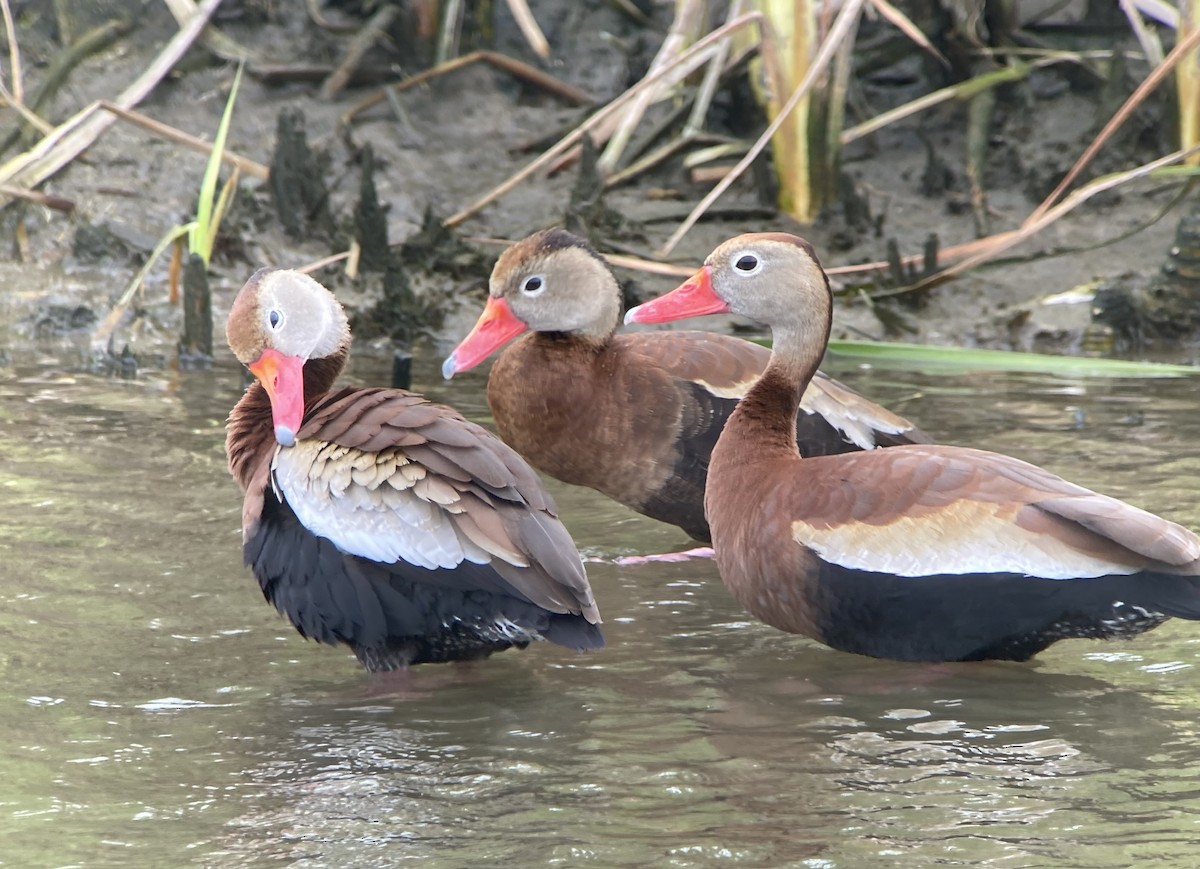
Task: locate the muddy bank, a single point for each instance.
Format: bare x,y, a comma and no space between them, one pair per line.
437,147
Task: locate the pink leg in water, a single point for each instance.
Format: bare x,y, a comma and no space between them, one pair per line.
665,557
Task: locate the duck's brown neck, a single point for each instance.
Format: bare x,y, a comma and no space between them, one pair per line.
320,374
574,340
764,423
250,431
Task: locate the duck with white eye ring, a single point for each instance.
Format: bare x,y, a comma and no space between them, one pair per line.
748,264
534,285
919,552
378,520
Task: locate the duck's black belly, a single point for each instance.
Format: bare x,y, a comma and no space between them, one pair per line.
395,615
988,616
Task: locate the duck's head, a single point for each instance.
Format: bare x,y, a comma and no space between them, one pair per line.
551,281
772,277
280,320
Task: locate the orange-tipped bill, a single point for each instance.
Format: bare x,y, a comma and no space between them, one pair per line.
283,378
496,326
693,298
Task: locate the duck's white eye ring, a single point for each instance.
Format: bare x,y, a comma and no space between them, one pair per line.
747,263
534,285
274,319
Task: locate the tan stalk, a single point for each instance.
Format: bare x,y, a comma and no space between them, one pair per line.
34,120
1187,79
222,206
529,28
961,91
847,18
108,325
500,61
699,50
1184,47
14,55
688,17
1036,223
1147,38
165,131
77,133
904,24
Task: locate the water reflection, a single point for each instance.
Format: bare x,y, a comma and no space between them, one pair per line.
157,712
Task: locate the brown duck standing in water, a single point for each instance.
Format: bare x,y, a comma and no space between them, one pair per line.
917,553
379,520
634,416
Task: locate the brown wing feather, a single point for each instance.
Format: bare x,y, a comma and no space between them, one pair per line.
949,509
728,366
485,489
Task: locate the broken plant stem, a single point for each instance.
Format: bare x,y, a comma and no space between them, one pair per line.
569,140
76,134
46,200
1147,39
1035,223
14,54
847,18
712,77
217,41
688,14
357,50
960,91
165,131
905,25
1183,48
323,262
529,28
35,121
314,14
510,65
447,43
102,337
96,39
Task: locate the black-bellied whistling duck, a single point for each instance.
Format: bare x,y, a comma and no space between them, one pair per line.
376,519
634,416
917,553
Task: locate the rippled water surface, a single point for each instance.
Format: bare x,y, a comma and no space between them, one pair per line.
156,712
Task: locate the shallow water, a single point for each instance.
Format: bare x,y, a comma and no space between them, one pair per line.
158,713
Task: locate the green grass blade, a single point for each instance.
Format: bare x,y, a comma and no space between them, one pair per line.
924,357
200,240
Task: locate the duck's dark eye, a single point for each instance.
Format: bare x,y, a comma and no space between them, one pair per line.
274,318
533,285
746,263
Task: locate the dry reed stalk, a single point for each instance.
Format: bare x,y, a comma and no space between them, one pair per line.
507,64
1187,79
173,134
77,133
1184,47
846,19
529,28
32,118
1038,221
699,50
14,54
689,15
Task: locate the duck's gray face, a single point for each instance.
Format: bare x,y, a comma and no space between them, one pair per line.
549,282
763,276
